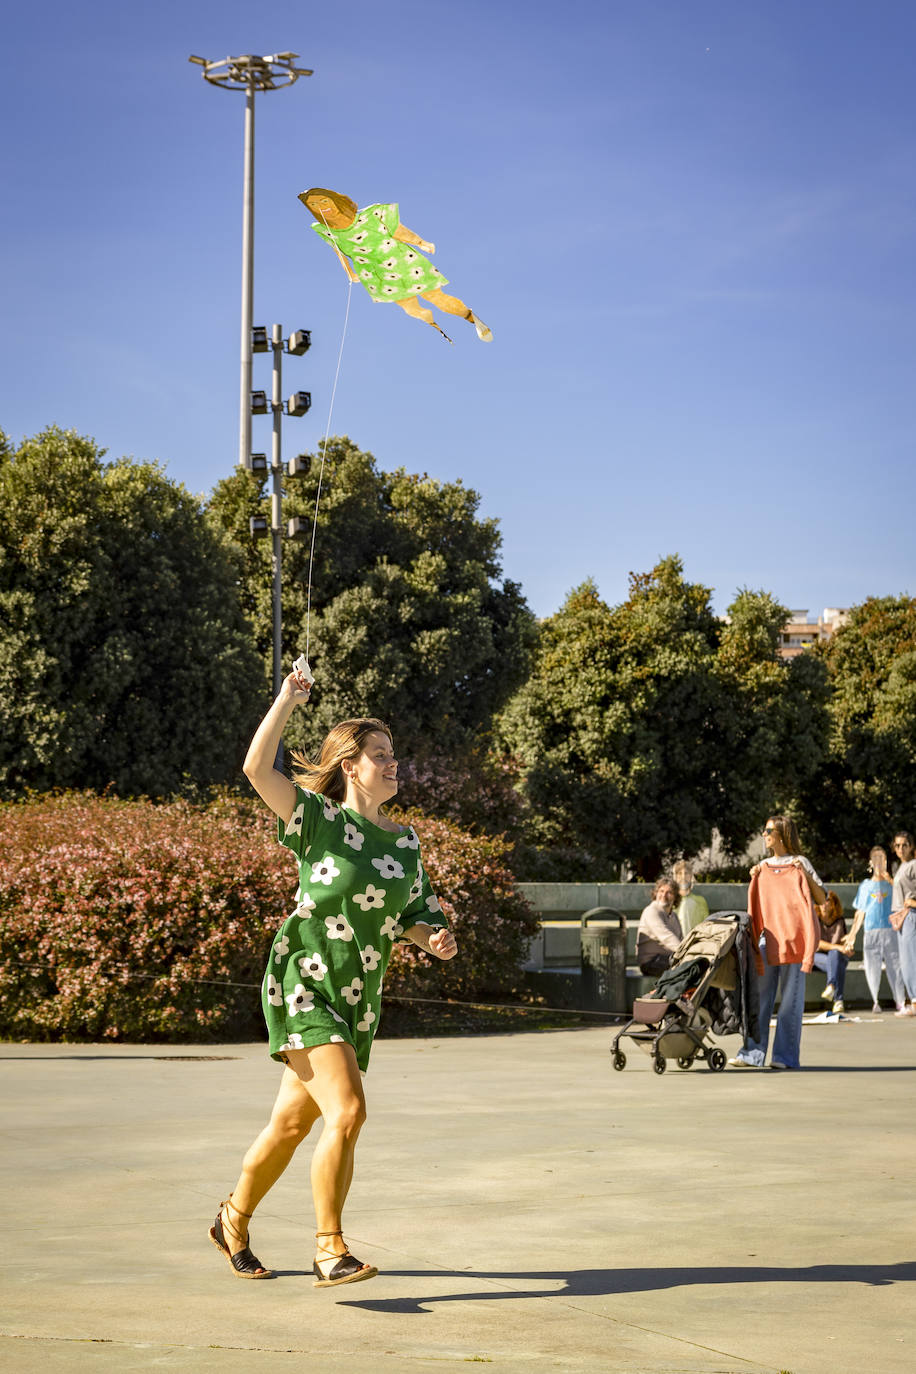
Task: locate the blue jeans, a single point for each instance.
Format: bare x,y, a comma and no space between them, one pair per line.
833,963
790,981
908,953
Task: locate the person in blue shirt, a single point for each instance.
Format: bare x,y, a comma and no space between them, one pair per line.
880,942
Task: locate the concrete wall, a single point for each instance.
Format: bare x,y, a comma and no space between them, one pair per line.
555,950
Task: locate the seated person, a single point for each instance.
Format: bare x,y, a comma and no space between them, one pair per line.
659,931
693,908
832,954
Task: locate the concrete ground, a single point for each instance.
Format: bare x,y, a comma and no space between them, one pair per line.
530,1209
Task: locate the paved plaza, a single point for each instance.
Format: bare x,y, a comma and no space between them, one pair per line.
530,1210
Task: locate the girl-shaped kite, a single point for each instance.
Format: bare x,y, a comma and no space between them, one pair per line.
385,261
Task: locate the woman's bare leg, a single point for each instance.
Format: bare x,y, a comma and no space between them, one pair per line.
411,306
330,1075
294,1113
453,306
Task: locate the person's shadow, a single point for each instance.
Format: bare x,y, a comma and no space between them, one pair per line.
507,1285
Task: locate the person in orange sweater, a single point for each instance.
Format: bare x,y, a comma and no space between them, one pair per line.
783,893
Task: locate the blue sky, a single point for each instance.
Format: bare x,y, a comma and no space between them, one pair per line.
690,224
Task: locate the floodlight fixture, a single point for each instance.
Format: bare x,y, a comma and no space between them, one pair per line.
299,342
300,403
258,526
297,528
259,403
259,340
249,73
299,466
258,462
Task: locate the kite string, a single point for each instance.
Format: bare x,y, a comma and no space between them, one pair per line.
324,450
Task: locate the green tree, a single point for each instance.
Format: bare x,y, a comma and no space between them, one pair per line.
410,620
613,728
771,732
645,726
864,790
124,657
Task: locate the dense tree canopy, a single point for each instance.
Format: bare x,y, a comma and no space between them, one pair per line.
124,656
646,725
864,792
411,621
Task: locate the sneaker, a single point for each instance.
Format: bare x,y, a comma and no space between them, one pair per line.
876,1009
838,1006
909,1010
747,1059
829,993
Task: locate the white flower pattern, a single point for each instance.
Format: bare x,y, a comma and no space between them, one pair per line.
353,837
299,1001
338,928
281,948
372,897
273,991
351,993
408,841
388,868
331,809
312,966
366,1020
325,871
391,928
370,957
294,1042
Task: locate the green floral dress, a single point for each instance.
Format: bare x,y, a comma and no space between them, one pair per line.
388,269
360,888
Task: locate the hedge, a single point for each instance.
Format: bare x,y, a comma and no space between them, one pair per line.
138,921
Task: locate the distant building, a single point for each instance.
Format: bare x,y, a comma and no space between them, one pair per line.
800,631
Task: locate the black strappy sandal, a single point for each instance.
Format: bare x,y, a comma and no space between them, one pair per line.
245,1264
347,1269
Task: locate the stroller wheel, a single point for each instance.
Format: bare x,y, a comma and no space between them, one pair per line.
685,1062
620,1060
658,1064
716,1060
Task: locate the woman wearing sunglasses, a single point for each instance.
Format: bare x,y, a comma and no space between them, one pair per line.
783,893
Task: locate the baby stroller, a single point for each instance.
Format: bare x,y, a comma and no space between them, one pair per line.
710,988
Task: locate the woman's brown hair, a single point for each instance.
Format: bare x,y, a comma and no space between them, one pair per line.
344,204
346,741
784,827
831,910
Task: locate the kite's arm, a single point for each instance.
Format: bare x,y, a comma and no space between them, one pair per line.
405,235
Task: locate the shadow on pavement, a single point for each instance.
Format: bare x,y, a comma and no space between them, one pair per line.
610,1282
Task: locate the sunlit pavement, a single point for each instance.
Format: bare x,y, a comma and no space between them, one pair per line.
528,1207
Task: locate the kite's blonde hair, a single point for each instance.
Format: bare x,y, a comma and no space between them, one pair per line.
344,204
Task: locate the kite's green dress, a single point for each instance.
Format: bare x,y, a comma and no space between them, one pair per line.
360,888
388,269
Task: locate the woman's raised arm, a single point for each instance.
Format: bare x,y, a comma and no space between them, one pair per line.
271,785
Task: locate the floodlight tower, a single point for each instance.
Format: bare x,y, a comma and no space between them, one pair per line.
249,74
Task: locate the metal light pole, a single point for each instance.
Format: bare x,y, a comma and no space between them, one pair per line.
249,74
298,403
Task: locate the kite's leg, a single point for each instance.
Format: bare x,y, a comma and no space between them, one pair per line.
412,306
454,306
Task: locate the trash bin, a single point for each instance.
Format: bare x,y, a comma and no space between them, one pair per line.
603,948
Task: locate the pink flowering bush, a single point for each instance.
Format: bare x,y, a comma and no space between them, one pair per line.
127,920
